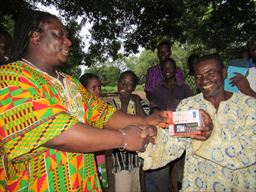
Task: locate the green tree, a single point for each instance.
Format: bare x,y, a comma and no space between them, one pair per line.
116,24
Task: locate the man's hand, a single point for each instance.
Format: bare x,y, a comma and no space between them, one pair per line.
206,129
149,132
161,118
136,138
241,82
243,85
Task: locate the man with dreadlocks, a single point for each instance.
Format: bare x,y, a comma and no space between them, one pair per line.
48,120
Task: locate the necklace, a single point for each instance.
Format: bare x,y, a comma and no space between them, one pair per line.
32,65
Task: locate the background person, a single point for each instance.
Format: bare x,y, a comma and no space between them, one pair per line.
154,75
167,96
247,84
126,165
93,84
190,76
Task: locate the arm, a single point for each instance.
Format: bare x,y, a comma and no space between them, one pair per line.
138,104
120,119
243,85
165,150
85,138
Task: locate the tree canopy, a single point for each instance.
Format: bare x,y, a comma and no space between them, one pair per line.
127,25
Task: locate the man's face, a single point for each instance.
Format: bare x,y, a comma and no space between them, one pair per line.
94,87
126,85
54,41
168,70
163,52
210,78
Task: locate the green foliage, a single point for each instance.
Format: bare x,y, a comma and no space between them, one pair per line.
107,74
108,89
208,25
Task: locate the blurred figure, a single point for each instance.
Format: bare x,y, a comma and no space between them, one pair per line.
247,84
5,46
190,76
92,83
154,75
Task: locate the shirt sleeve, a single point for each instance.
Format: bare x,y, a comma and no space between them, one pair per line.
30,114
165,150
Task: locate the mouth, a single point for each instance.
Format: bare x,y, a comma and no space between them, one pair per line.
65,51
207,86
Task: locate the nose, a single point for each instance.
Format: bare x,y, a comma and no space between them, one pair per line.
67,41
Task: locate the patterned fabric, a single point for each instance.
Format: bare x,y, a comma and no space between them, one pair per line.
34,108
190,81
224,162
126,160
154,77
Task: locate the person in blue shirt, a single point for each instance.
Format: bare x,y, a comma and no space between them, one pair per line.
247,85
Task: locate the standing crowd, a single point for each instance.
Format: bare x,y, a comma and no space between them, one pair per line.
58,134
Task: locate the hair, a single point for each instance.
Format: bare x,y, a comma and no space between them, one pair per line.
5,34
164,43
129,72
7,41
214,56
28,22
169,60
85,78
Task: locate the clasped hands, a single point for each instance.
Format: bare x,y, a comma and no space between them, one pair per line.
138,136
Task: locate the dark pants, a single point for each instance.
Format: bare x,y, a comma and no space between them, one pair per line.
158,180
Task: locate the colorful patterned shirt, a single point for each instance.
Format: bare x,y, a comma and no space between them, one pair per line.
224,162
34,108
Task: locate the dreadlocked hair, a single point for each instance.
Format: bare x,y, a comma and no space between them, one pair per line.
28,22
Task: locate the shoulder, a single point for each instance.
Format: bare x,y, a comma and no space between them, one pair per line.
17,73
153,68
192,102
241,99
15,67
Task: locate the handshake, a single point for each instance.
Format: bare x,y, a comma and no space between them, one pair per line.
137,137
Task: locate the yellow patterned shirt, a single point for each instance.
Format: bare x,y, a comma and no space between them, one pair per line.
224,162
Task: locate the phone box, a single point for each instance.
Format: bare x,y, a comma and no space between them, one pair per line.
184,123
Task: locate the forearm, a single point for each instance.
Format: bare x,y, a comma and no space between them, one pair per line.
250,93
84,138
139,110
120,119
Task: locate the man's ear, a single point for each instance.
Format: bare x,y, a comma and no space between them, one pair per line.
34,37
